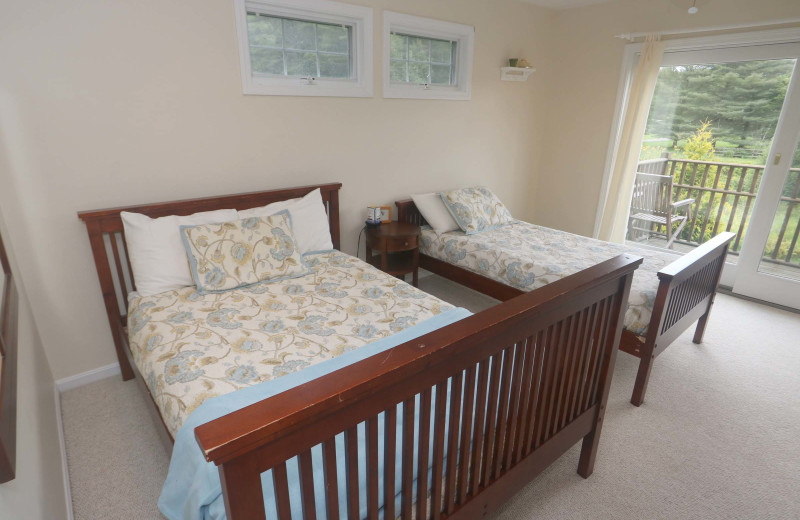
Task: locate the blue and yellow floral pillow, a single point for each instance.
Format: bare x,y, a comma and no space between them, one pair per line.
244,252
476,209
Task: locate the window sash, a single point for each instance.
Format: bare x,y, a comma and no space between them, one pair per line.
283,48
452,64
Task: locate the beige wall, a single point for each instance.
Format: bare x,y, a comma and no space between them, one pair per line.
37,492
582,90
106,103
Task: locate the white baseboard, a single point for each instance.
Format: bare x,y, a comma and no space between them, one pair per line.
68,383
63,448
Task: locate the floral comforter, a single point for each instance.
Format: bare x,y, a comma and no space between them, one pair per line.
190,347
527,256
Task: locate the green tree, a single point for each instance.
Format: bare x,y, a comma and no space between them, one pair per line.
743,100
700,145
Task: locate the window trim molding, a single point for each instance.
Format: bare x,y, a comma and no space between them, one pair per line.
464,35
320,10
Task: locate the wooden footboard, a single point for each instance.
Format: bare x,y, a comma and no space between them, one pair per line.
494,398
686,292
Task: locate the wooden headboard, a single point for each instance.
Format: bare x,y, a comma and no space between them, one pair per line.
407,212
107,239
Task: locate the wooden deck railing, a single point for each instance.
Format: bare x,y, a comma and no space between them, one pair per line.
724,196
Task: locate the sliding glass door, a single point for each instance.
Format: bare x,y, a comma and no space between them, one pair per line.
769,268
723,131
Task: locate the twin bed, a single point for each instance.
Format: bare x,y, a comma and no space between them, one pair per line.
668,295
347,393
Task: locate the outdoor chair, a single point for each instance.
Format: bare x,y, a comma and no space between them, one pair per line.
652,208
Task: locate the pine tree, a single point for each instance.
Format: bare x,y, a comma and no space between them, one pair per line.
743,100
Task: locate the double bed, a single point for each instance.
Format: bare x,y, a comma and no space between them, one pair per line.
346,392
668,294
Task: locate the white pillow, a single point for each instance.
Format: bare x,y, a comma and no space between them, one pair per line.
268,210
310,225
435,212
156,252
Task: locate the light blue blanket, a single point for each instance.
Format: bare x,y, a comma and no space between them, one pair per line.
192,489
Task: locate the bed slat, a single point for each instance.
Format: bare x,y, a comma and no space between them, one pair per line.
438,450
451,498
491,416
331,479
372,468
390,454
281,482
480,421
423,451
407,499
466,433
307,486
351,470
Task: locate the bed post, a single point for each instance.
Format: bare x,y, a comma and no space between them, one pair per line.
647,351
333,215
592,440
109,295
701,323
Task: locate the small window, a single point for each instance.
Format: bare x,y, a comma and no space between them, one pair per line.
305,48
422,61
287,47
425,58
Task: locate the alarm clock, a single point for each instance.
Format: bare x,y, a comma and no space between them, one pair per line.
373,216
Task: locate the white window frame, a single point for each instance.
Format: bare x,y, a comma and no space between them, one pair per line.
463,35
325,11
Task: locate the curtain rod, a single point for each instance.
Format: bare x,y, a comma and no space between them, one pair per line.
632,36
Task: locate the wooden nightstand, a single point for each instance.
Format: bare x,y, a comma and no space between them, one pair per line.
398,246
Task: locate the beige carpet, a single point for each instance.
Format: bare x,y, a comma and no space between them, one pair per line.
717,437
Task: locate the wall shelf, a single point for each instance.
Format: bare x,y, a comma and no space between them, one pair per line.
515,73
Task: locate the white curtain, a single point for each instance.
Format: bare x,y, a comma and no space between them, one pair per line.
614,221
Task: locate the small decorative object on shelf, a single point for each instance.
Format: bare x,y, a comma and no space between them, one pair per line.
512,62
397,245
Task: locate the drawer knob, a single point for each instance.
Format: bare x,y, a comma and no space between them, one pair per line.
406,243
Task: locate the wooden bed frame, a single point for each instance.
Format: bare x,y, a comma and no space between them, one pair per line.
686,292
530,378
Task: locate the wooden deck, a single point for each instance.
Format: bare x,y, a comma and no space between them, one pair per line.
783,270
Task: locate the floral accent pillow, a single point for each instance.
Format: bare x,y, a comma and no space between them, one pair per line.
243,252
476,209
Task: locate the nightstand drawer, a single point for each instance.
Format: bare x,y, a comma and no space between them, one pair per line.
401,243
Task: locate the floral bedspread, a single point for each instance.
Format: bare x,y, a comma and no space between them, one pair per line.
190,347
527,256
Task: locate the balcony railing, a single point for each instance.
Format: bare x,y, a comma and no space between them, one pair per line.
724,196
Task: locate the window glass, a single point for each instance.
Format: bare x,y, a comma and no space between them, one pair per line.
418,60
290,47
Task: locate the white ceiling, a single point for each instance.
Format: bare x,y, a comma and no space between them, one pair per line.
564,4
